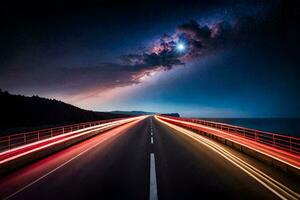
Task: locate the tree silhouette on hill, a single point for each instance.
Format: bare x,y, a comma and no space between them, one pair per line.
21,111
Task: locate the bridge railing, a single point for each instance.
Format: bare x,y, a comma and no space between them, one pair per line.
20,139
283,142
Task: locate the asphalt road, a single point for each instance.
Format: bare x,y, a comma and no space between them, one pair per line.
117,165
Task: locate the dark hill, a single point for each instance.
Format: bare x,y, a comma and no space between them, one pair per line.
145,113
134,112
21,113
172,114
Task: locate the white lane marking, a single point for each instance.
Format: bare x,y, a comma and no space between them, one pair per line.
153,183
55,169
151,140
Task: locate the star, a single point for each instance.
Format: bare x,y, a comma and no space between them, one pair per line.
180,47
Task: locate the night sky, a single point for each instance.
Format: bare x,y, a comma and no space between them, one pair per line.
199,58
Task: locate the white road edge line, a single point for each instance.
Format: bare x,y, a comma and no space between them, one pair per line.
153,183
55,169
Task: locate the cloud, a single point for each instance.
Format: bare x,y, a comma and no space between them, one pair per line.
129,69
193,30
199,40
161,55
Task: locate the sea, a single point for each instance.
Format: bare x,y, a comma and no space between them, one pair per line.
285,126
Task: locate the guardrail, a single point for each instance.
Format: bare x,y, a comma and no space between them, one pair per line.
283,142
19,139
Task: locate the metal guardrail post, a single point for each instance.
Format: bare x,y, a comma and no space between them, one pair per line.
288,143
14,140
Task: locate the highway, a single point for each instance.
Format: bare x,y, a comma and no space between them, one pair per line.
148,159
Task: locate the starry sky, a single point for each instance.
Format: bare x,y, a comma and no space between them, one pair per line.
212,58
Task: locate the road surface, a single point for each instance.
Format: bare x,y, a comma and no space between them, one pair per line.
140,160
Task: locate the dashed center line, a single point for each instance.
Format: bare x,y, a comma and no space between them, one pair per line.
153,183
151,140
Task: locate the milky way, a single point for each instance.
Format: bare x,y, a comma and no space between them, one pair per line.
88,58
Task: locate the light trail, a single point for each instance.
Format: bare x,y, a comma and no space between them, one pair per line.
101,139
282,156
271,184
37,146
